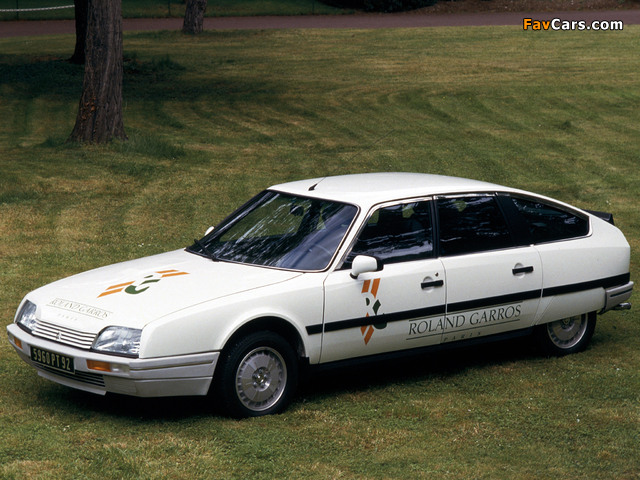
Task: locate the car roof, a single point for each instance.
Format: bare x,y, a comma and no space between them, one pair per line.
370,188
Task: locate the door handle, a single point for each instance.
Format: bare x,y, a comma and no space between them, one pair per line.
519,270
434,283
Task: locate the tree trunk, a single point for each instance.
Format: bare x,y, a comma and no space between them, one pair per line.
81,31
194,16
99,117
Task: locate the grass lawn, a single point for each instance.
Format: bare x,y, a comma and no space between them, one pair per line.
215,118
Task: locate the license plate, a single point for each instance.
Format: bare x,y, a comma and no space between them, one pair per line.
53,360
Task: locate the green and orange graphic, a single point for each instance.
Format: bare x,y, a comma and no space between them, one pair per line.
370,293
138,286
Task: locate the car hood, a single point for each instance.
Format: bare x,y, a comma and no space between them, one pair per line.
137,292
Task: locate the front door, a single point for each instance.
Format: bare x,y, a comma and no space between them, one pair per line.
399,307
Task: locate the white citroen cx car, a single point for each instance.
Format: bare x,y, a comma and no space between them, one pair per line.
326,270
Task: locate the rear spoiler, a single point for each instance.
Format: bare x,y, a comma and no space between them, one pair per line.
607,217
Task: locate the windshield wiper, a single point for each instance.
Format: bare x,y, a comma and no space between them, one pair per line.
205,249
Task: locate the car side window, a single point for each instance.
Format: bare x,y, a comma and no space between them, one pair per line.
397,233
546,223
471,224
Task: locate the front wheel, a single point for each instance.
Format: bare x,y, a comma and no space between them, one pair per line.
258,375
566,336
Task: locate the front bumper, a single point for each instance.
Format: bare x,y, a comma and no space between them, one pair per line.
153,377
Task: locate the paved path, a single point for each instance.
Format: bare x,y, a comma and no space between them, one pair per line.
401,20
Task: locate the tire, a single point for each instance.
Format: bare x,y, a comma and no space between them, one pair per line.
257,375
566,336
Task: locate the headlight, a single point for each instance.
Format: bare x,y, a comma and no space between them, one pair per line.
119,340
26,317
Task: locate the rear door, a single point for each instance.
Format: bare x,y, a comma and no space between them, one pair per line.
493,285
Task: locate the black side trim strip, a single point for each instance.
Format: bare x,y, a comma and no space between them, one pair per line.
468,305
383,318
491,301
578,287
314,329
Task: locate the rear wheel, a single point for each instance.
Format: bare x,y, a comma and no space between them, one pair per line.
568,335
257,376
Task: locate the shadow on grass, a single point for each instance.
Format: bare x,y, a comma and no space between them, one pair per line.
316,385
414,368
157,79
33,77
132,408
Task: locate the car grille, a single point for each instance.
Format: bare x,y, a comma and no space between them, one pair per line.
78,376
65,335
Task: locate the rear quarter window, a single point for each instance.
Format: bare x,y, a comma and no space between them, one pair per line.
547,223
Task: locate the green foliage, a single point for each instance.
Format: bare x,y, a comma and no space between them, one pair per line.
228,113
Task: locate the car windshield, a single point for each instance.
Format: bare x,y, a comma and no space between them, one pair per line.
280,230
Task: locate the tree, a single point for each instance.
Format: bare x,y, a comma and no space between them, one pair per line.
81,31
194,16
99,117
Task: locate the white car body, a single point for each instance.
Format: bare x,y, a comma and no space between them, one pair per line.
189,308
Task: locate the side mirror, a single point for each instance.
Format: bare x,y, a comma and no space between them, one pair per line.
365,264
209,230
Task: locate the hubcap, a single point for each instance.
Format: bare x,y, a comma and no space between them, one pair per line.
567,332
261,378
